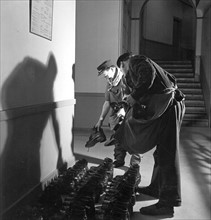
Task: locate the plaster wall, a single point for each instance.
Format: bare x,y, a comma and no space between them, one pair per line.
98,38
36,98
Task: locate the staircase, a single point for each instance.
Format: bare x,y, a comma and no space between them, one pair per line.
195,114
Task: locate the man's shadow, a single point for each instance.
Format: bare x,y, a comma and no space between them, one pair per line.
30,85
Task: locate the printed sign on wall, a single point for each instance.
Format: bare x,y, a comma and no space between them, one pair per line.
41,18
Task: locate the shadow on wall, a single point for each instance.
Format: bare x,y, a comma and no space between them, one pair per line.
30,83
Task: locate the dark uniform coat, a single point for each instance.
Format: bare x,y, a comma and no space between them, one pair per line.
155,121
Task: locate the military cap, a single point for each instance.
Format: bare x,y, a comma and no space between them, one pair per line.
105,65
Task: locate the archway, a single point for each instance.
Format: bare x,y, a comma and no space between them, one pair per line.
167,30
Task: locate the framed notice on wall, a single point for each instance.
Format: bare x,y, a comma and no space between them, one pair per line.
41,18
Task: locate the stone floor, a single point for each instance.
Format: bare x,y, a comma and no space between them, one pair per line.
195,163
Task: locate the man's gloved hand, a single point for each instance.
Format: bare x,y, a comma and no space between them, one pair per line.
99,124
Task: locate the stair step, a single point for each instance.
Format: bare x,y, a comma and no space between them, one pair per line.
173,62
179,70
176,66
195,110
195,123
188,80
197,91
194,103
182,75
189,85
189,116
195,97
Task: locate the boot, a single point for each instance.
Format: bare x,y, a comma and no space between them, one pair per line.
95,137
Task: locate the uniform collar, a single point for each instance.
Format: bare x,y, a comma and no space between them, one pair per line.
116,79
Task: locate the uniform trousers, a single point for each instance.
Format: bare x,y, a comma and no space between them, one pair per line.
166,172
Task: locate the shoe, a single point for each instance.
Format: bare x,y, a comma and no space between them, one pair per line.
117,163
147,191
157,209
111,141
95,137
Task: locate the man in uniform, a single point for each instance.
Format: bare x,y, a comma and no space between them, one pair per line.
114,95
154,120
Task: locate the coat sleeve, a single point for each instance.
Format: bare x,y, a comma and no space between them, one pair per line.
142,75
107,95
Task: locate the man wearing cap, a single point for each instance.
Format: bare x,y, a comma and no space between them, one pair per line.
114,94
154,120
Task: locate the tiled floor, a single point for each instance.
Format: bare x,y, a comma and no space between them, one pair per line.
195,163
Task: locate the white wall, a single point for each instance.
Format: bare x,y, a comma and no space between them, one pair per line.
37,98
159,20
159,16
135,25
189,28
98,39
17,42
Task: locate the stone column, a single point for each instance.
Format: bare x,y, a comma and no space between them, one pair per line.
199,22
